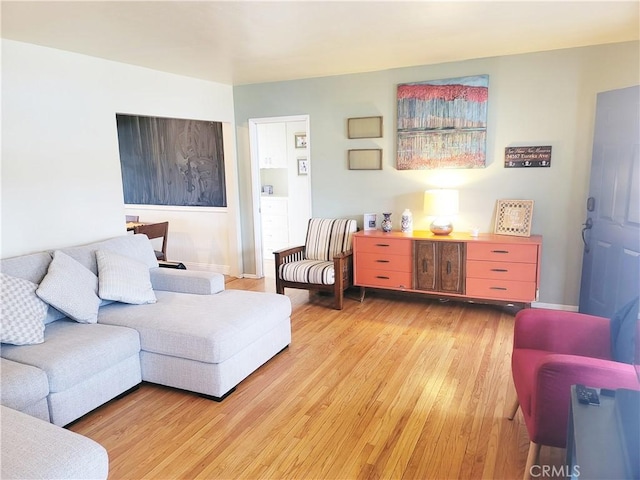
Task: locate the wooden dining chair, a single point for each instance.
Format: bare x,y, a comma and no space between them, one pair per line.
155,230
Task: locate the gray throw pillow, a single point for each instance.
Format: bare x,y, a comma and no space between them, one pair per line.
71,288
123,279
22,313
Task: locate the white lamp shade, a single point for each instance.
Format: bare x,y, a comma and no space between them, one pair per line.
441,202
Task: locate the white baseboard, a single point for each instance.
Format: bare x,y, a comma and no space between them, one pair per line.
555,306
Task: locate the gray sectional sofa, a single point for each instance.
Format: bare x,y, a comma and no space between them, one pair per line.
113,318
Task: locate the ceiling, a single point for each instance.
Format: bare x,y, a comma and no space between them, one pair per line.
241,42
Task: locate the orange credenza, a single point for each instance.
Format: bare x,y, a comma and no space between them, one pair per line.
496,267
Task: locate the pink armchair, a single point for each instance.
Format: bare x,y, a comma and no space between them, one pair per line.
553,350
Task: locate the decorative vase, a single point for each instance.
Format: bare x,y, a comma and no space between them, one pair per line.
386,222
406,223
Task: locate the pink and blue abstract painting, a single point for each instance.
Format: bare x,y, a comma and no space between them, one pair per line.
443,123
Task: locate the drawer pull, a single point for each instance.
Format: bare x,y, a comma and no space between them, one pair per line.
382,261
499,270
499,251
382,245
425,266
497,288
382,277
448,267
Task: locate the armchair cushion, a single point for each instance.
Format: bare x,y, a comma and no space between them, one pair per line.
328,237
308,271
623,332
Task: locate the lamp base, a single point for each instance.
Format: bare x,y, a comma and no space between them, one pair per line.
441,226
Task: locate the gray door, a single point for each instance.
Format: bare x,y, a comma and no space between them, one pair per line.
611,258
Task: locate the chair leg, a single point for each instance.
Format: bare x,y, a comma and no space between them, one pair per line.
532,459
338,299
514,409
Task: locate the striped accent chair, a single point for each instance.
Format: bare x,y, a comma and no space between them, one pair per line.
324,263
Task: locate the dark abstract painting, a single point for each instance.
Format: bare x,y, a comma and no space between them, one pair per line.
168,161
442,123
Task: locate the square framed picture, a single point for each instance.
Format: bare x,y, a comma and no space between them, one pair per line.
370,222
303,166
513,217
301,140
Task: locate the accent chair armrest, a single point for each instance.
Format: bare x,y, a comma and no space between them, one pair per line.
186,281
343,268
552,384
345,254
563,332
290,254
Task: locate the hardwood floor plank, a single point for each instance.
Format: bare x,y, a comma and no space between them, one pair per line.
396,387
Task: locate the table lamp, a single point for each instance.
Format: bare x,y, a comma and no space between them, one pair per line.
442,204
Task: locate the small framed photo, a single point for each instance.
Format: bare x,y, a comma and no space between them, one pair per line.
301,140
370,222
513,217
303,166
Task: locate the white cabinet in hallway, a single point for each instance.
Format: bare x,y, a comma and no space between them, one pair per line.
275,224
272,145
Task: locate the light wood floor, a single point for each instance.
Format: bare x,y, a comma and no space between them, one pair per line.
392,388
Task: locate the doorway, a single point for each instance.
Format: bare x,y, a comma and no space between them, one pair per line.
281,185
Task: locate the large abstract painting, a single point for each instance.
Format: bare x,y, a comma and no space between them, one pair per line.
168,161
443,123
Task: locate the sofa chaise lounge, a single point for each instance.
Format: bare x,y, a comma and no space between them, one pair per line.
181,329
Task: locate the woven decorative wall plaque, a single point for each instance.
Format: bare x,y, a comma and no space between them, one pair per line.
513,217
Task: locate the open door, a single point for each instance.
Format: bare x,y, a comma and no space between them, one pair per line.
611,232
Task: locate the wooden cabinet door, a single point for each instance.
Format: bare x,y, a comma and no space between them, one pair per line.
425,266
451,267
439,266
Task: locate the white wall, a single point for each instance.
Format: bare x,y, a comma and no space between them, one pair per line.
61,182
545,98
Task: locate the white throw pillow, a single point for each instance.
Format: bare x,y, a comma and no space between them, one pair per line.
22,313
71,288
123,279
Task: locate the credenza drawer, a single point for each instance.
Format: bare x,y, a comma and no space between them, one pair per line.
524,272
383,261
384,279
501,289
382,245
502,252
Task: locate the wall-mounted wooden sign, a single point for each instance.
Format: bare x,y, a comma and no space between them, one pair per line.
517,157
